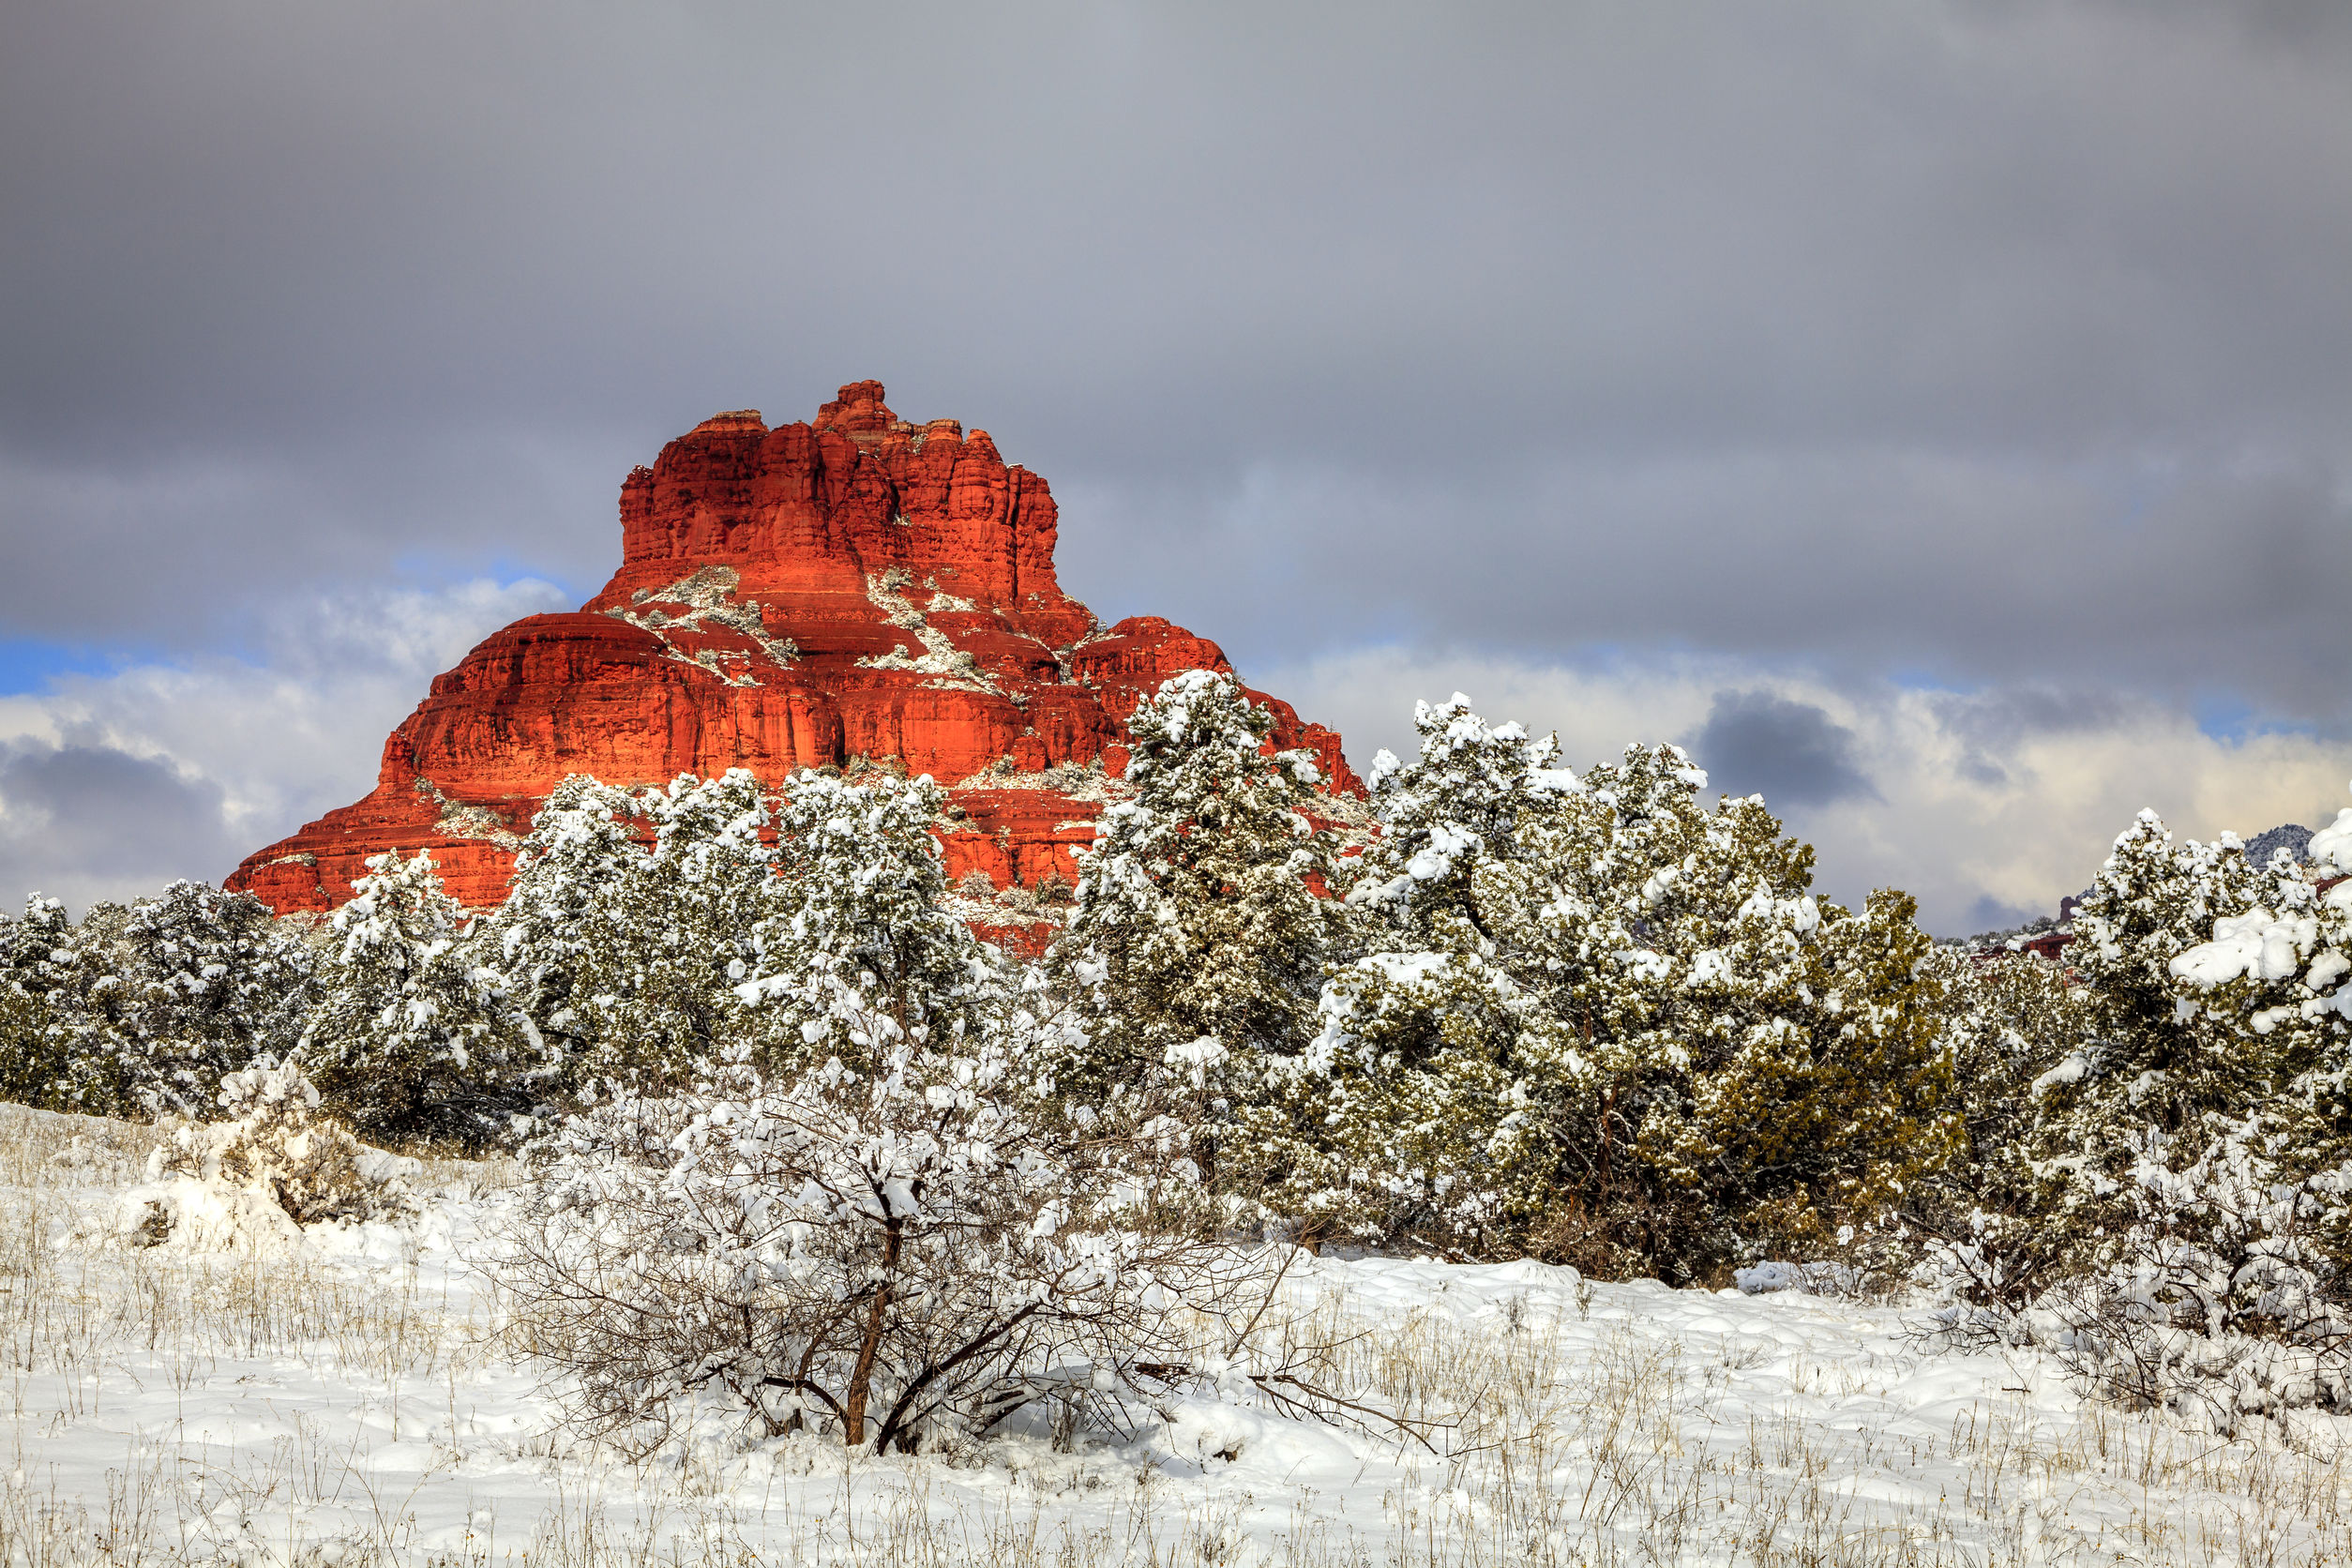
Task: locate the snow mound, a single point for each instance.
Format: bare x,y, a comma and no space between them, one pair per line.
251,1184
1819,1279
190,1214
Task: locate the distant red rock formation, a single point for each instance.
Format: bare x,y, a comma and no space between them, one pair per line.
858,587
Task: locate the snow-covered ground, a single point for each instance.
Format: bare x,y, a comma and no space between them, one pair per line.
349,1403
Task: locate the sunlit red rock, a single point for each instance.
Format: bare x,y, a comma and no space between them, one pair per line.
856,587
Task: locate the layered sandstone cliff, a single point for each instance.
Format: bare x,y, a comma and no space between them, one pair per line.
857,591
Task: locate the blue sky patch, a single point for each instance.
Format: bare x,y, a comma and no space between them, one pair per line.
31,664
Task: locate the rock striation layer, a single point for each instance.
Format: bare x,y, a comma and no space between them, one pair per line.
855,591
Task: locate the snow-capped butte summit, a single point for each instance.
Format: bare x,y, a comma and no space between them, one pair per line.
855,587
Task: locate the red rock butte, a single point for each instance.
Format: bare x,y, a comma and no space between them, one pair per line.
857,587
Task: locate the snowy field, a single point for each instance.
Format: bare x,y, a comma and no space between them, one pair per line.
349,1403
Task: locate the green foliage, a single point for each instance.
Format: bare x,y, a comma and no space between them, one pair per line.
2173,1214
411,1038
1199,930
1414,1112
551,934
210,980
1825,1102
1409,1115
2008,1018
66,1048
134,1011
35,1065
2206,1027
1605,1022
854,929
2150,1059
1597,1019
630,923
2157,1057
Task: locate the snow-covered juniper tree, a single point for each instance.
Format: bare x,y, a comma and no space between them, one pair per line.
2047,1167
214,980
546,935
411,1036
631,921
27,1073
2166,1058
1409,1112
52,1052
1606,1021
1772,1060
1202,927
2182,1238
139,1010
874,1220
852,924
2008,1018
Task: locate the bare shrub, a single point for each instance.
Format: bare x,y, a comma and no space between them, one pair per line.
223,1182
885,1255
2216,1298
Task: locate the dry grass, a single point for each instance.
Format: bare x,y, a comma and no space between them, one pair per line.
1623,1453
1577,1440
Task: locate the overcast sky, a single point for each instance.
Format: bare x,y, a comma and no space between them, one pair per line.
1937,416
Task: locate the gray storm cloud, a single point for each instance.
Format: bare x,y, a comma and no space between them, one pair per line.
1987,343
297,291
1792,753
86,822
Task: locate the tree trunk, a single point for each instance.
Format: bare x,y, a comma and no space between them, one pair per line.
862,1375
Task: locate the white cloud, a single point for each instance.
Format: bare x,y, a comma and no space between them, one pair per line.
1989,805
234,752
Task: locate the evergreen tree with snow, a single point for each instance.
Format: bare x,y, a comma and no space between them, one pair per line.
570,880
212,980
853,927
2165,1061
1202,924
87,1055
139,1010
1607,1022
631,921
411,1036
2181,1230
2008,1018
2153,900
1772,1060
30,1065
1409,1114
61,1049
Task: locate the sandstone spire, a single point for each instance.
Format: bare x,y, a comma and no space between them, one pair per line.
858,590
